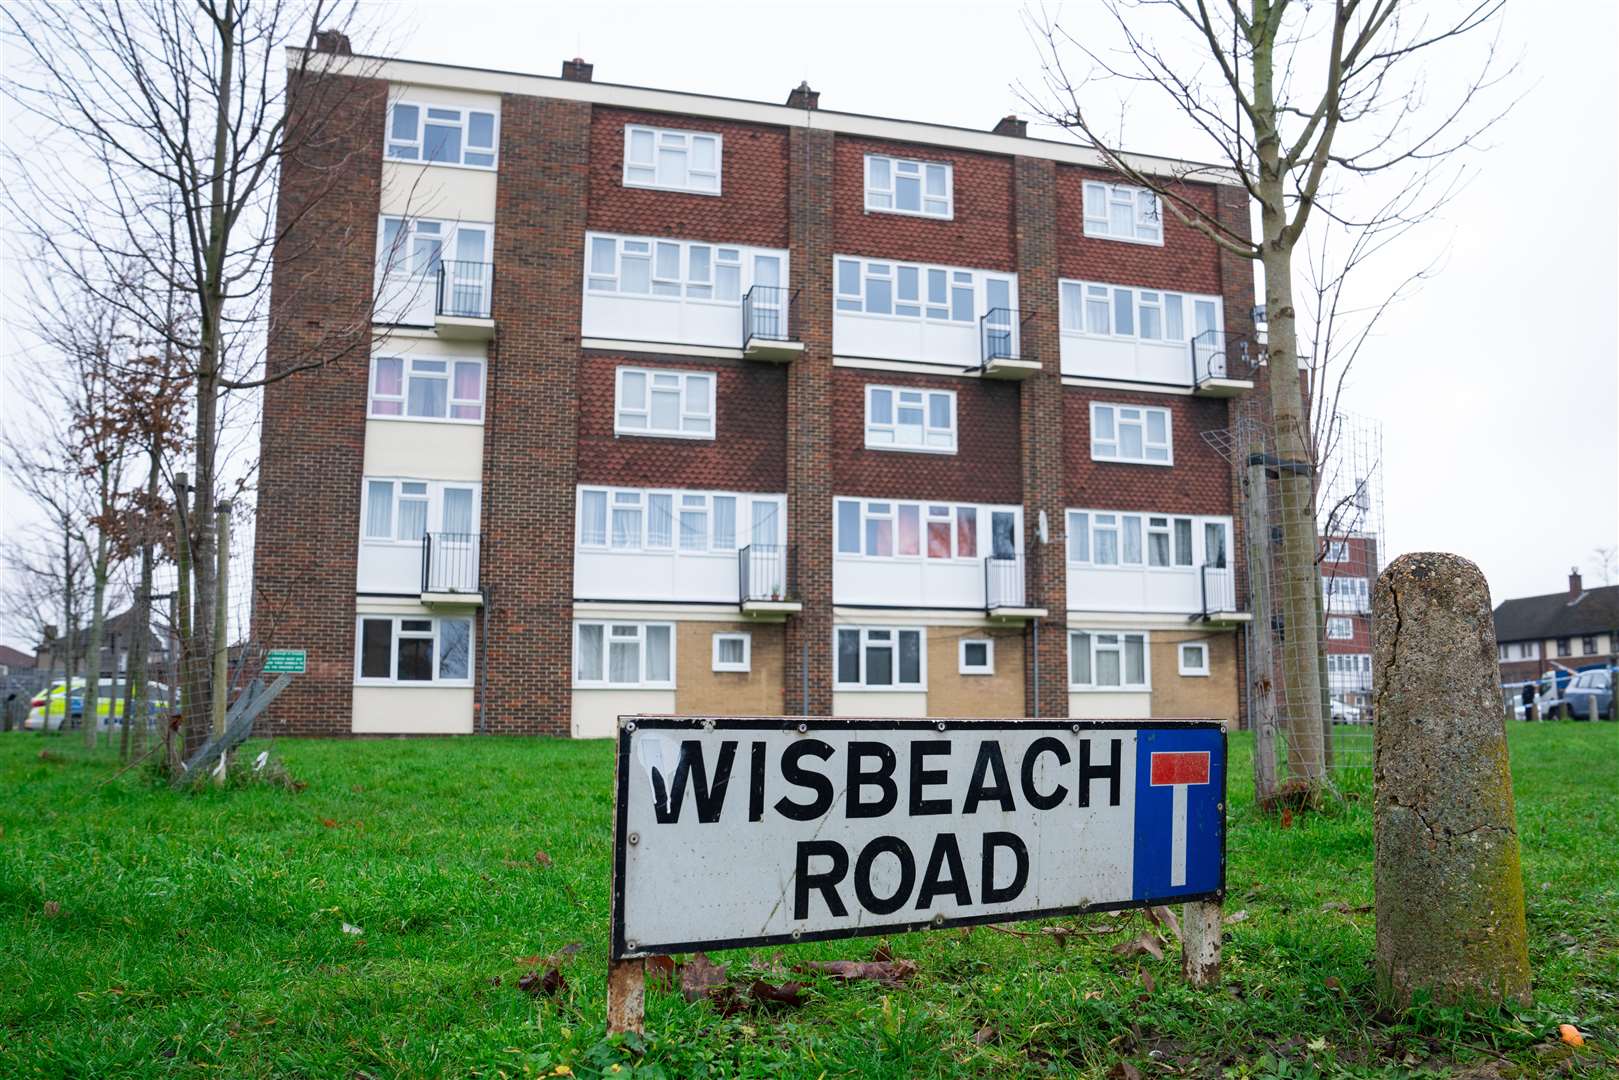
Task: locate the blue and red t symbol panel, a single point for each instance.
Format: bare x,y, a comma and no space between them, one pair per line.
1179,834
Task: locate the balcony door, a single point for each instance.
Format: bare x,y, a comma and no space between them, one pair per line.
427,267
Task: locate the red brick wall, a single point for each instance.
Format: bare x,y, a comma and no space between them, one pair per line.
312,440
749,454
979,235
1187,261
752,206
984,467
1198,483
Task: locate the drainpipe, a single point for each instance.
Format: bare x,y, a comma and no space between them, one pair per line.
483,666
1036,667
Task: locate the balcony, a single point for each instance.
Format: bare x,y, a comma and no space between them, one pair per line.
765,585
1217,587
463,301
1006,589
999,338
769,316
450,568
1222,364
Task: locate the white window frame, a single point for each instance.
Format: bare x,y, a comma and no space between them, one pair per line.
1146,212
1177,312
744,521
1200,669
1117,442
652,375
1340,628
893,428
867,642
640,637
876,195
1337,551
418,144
433,496
746,663
407,365
1095,645
983,528
987,667
396,633
925,307
694,280
1087,522
682,140
1346,593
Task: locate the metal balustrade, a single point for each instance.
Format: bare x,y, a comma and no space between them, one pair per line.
1005,583
465,289
765,574
450,562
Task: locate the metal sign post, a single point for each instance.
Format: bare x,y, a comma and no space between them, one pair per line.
738,832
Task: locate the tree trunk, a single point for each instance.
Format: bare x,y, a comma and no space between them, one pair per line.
140,644
98,615
186,682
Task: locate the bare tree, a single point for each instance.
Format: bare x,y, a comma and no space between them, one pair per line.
1307,107
174,115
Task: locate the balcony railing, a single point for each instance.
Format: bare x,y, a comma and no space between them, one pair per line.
764,574
1005,584
465,289
1218,589
1218,355
769,313
450,562
998,335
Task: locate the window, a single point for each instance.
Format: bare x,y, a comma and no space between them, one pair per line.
1117,311
1526,650
623,655
1337,551
885,530
677,404
672,160
692,522
976,656
733,651
1105,660
902,419
404,511
441,135
1564,646
675,269
427,388
874,658
1588,645
1122,212
410,649
420,247
1160,542
1194,658
902,186
1340,628
1128,433
911,291
1346,593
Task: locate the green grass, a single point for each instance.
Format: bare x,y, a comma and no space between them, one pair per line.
203,934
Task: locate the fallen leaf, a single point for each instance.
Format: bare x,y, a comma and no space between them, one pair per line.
1331,983
1123,1070
1164,916
1317,1045
1235,917
1287,817
984,1034
891,973
701,977
882,953
1093,995
660,971
542,858
1146,943
1147,979
328,822
350,928
1570,1034
52,909
549,983
494,980
529,961
790,994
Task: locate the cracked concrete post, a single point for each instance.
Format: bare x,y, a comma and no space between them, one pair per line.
1450,916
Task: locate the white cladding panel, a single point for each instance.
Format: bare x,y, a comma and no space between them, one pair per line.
937,583
662,319
709,578
1110,704
1160,589
1126,359
879,704
596,712
888,337
412,710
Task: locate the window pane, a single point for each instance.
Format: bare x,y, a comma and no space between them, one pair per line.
976,653
1156,429
455,648
939,539
1104,423
672,167
967,532
623,661
1003,530
1079,659
390,378
910,530
730,650
405,120
376,647
879,665
1123,313
879,296
593,517
1214,545
848,656
428,397
939,410
641,147
1121,219
961,303
879,536
1158,548
1183,541
703,158
1135,661
907,193
693,530
848,277
697,395
909,283
877,173
910,657
660,521
935,180
882,406
635,274
1107,667
666,410
626,528
1107,545
1079,537
1130,440
458,510
415,658
468,380
1174,325
848,527
657,654
1132,540
481,130
766,520
442,142
725,520
588,661
379,511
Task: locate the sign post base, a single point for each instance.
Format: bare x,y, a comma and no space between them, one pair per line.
1201,924
626,996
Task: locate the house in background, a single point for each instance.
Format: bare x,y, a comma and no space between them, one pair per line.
14,661
1565,631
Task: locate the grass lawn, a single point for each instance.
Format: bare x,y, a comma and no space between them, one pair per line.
149,933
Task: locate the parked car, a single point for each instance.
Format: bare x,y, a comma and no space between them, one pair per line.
109,704
1585,687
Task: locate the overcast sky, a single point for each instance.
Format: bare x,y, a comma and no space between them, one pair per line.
1497,385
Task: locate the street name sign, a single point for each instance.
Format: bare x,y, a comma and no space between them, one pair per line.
284,661
733,832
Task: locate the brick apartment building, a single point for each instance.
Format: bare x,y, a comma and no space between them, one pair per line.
1349,567
676,403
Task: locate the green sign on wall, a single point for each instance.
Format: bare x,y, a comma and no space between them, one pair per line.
284,661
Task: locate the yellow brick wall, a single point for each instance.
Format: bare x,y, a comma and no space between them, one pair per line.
951,693
1213,696
700,689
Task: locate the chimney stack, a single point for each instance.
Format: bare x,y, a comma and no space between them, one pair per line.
576,70
1011,125
1575,586
333,41
803,97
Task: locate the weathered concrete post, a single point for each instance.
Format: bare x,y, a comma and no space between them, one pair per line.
1450,917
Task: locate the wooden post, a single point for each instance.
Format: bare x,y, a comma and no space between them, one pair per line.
626,996
1262,663
1591,703
1201,924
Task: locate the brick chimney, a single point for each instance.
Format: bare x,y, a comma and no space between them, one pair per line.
1011,125
576,70
1575,585
803,97
333,41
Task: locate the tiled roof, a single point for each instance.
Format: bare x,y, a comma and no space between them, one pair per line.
1531,618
